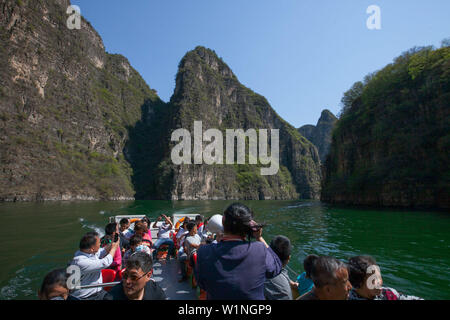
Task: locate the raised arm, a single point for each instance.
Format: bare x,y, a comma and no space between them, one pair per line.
156,221
168,220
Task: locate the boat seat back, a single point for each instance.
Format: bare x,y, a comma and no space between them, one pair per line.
108,275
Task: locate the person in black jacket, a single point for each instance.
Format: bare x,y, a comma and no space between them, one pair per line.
137,283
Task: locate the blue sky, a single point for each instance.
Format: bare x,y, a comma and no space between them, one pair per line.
302,55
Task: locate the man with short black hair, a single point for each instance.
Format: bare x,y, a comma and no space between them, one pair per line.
124,224
163,236
124,228
137,283
91,260
330,277
280,287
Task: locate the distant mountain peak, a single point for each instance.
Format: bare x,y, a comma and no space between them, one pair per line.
320,134
201,56
326,116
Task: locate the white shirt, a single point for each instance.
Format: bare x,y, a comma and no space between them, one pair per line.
164,231
91,266
195,239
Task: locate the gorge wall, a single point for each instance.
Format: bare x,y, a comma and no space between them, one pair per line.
391,145
79,123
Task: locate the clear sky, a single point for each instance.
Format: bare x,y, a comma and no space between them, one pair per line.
302,55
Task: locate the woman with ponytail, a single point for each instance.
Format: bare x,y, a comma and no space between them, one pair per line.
237,267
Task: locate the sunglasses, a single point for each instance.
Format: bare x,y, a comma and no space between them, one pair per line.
133,278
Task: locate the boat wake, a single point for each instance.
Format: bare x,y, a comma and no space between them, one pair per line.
18,285
86,225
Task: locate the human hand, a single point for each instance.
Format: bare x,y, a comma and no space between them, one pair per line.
258,234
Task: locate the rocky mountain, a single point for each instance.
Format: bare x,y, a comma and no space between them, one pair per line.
208,91
79,123
391,145
320,134
66,107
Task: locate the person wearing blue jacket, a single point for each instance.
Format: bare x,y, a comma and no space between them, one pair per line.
236,267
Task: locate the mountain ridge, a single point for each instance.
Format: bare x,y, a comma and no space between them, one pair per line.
80,123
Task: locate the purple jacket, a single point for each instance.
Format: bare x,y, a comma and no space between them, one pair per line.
236,270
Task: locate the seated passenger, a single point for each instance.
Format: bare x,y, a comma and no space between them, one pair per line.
280,286
305,284
54,286
164,235
141,230
330,277
367,283
200,225
147,224
111,230
191,244
136,245
125,230
236,268
137,283
182,232
124,224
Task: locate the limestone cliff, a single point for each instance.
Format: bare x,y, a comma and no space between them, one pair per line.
65,107
79,123
208,91
320,134
391,145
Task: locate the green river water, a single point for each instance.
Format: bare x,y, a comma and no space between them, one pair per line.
412,248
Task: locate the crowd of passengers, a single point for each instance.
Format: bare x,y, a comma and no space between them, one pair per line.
236,264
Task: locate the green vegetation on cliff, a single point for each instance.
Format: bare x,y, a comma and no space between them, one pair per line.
78,122
66,107
391,145
208,91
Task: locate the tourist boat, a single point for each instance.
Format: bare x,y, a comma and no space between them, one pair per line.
165,272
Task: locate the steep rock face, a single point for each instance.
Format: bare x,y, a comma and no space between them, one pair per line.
391,145
208,91
65,107
320,135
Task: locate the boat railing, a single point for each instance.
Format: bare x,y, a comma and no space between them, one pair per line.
97,285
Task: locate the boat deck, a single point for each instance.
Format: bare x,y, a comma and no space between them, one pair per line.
165,273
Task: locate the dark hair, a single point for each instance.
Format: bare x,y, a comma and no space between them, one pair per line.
238,220
55,277
358,269
146,219
88,240
140,260
186,221
324,271
138,226
281,245
198,218
124,221
190,226
308,264
110,228
135,240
